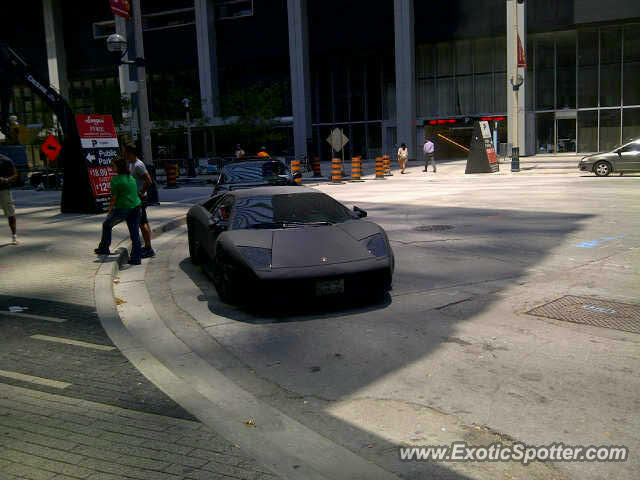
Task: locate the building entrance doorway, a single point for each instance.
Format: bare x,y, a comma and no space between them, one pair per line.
566,135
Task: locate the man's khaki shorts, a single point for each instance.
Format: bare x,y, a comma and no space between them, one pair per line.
7,204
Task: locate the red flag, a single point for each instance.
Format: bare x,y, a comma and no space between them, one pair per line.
522,59
121,8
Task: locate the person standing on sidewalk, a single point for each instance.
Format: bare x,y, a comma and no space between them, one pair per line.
403,156
429,155
141,174
125,206
8,175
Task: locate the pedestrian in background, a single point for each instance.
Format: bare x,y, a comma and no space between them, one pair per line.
403,156
239,151
429,155
8,175
124,206
143,179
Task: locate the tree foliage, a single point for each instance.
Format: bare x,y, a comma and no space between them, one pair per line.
256,108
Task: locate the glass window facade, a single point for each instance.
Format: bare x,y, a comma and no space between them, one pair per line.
582,85
593,72
461,78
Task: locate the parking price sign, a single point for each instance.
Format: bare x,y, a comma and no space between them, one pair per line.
99,144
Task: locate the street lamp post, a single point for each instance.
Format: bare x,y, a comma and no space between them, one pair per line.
516,82
192,169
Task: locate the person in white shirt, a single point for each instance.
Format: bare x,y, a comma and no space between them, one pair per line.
403,156
429,155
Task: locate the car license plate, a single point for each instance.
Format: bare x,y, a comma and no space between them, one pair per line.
329,287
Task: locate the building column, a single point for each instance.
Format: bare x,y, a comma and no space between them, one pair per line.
300,83
405,74
56,55
207,57
512,57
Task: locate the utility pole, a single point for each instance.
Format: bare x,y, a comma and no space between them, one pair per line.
142,101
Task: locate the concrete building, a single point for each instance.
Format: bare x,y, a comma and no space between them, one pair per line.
386,71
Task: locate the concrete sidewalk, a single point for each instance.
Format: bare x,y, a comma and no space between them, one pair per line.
61,408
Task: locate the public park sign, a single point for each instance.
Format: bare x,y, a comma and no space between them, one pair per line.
99,146
482,155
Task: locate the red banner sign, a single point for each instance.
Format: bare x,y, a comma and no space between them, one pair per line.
522,58
120,8
99,147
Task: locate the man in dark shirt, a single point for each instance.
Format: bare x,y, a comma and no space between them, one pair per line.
8,175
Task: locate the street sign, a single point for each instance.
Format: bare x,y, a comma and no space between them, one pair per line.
51,148
337,139
99,147
120,8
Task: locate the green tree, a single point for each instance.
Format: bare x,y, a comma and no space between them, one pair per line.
256,107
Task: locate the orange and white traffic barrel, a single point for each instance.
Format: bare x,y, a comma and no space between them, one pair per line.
295,168
356,169
336,170
387,166
315,166
380,168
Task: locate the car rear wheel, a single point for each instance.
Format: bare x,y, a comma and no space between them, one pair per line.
602,169
225,279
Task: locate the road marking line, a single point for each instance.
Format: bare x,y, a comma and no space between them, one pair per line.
95,346
37,380
35,317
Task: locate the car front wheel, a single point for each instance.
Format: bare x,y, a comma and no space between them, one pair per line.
602,169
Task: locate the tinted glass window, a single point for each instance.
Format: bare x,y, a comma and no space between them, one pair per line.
247,172
288,210
634,147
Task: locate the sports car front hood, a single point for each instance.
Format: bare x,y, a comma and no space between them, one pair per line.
311,246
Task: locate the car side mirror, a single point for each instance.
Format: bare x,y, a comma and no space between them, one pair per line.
297,175
360,213
218,226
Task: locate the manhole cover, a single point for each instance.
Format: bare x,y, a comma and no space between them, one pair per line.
590,311
433,228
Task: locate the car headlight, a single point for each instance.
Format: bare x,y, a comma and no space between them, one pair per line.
377,245
258,258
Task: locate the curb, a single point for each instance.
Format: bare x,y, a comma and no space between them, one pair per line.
286,459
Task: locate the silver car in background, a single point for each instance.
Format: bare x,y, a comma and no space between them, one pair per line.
623,159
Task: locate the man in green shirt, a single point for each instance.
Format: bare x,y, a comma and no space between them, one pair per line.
124,206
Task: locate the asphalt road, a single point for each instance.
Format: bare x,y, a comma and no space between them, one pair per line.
452,351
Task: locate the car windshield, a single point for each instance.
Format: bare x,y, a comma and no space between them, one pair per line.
288,210
253,172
